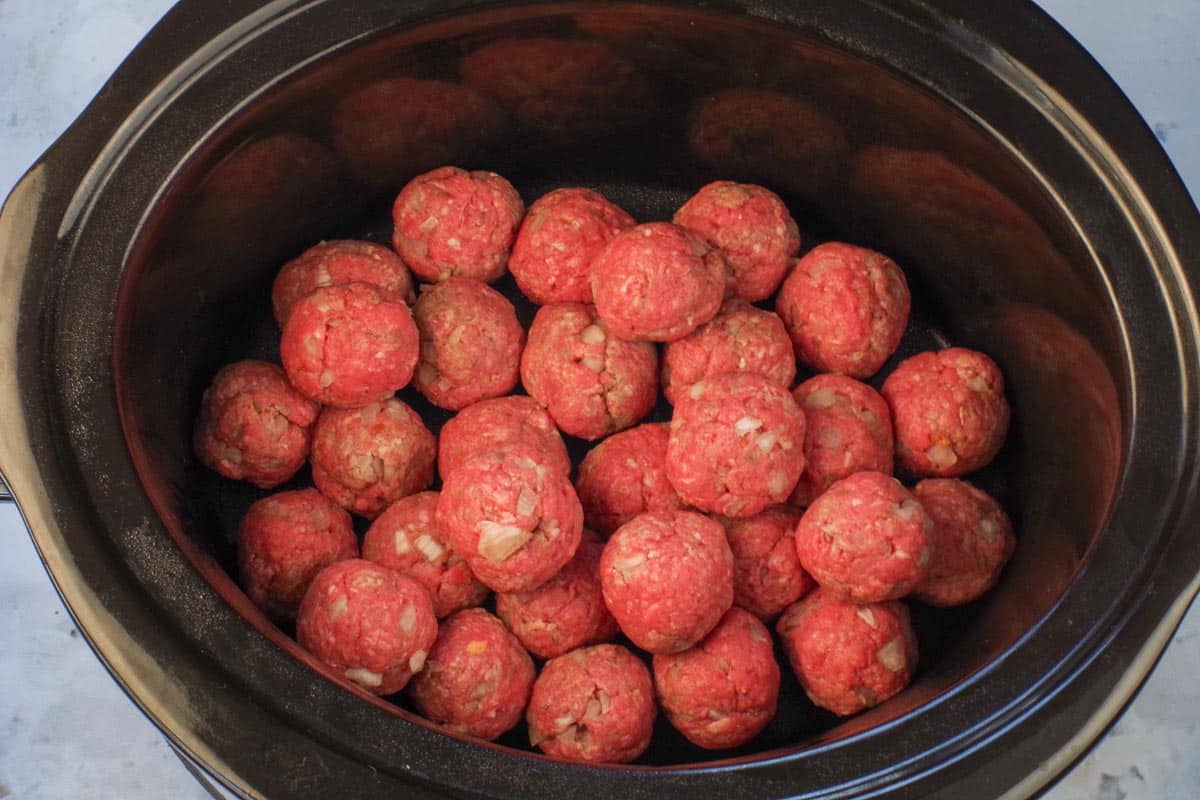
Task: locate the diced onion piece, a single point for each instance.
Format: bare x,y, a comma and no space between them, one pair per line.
891,655
338,607
592,334
527,502
866,615
364,677
408,620
942,456
498,541
400,543
821,398
429,547
908,509
417,661
747,424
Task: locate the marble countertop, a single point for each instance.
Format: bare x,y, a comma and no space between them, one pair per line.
67,731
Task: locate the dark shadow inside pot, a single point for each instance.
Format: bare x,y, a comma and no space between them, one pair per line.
647,105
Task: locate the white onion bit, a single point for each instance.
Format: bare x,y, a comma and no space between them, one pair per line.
364,677
408,620
592,334
338,607
429,547
401,543
891,655
417,661
498,541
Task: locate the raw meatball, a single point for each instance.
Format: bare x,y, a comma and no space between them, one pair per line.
593,705
514,519
972,541
477,679
737,444
369,624
561,236
493,424
367,458
845,307
949,411
453,222
849,431
284,541
722,692
767,576
349,345
590,381
625,475
337,263
657,282
667,578
848,657
253,425
400,126
867,539
470,343
407,538
752,229
741,338
563,613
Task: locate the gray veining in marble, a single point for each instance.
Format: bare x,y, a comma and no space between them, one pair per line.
67,731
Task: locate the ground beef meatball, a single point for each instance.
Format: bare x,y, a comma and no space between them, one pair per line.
767,576
561,236
590,381
867,539
369,624
845,307
848,657
563,613
367,458
515,520
737,444
407,538
336,263
493,424
751,228
593,705
949,411
849,431
722,692
477,678
284,541
400,126
972,541
349,345
453,222
625,475
470,343
741,338
253,425
657,282
667,578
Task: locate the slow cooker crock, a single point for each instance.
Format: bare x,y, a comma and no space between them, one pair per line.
1034,212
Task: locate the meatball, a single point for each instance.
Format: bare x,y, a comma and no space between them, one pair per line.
477,678
400,126
349,345
369,624
722,692
284,541
949,411
470,343
848,657
741,338
453,222
563,613
561,236
667,578
253,425
625,475
593,705
767,576
972,541
514,519
845,308
657,282
367,458
849,431
590,381
337,263
407,538
493,424
751,228
737,444
867,539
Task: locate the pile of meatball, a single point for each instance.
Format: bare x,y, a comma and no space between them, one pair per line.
759,504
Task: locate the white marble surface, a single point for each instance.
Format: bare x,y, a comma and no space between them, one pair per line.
67,731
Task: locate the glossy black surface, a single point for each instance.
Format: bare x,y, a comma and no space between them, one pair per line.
1049,235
